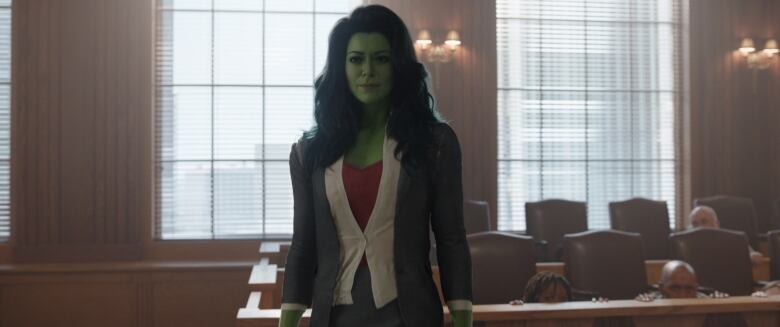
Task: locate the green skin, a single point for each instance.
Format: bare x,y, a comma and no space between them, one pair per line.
370,78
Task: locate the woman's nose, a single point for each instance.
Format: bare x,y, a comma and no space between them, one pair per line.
368,68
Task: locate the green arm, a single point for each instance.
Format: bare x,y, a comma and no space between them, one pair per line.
290,318
461,318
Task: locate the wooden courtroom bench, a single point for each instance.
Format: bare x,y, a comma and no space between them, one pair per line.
757,312
268,278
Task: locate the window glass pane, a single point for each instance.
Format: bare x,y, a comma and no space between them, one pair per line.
184,121
184,200
234,91
191,48
238,199
5,120
238,48
185,4
323,25
290,5
248,5
279,208
289,49
288,113
5,45
238,123
586,105
336,6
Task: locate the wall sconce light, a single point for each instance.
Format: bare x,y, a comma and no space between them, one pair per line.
758,59
438,52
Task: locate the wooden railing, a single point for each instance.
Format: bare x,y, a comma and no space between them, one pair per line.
756,312
267,277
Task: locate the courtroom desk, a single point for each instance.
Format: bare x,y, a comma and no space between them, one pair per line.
758,312
123,294
273,251
268,278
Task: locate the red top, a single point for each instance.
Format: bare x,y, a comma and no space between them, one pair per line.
362,187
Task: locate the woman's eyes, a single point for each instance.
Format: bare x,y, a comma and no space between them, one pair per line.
380,59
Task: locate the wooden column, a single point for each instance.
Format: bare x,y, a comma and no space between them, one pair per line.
81,129
734,111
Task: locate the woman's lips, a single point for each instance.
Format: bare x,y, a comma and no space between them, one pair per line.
369,87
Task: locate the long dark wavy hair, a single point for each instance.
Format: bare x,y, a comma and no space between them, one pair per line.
338,114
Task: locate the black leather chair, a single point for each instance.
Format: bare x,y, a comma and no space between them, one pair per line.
648,218
476,216
476,219
550,220
734,213
609,263
720,258
501,264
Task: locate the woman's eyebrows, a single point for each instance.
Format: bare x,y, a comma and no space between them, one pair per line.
375,52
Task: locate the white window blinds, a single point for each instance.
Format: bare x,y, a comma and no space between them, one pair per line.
5,119
587,96
234,91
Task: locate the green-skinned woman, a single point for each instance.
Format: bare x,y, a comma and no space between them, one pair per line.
368,180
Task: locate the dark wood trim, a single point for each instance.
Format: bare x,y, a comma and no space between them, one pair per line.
127,267
5,253
76,253
202,250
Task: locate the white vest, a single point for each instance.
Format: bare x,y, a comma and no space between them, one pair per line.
377,240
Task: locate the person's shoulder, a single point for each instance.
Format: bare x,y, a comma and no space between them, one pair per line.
301,145
302,141
444,133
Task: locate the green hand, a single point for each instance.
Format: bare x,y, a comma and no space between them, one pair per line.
461,318
290,318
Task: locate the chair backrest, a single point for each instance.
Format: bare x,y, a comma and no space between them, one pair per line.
549,220
648,218
476,216
476,219
734,213
774,254
502,263
608,262
720,258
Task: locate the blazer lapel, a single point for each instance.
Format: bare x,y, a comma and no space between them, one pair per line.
322,210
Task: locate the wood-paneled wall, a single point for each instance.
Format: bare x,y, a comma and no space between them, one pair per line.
81,130
465,88
132,295
734,134
82,115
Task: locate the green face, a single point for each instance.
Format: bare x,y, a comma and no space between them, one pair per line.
369,70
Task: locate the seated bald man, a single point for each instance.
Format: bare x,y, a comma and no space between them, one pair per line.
705,217
678,281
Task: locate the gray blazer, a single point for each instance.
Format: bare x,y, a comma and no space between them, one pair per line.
431,198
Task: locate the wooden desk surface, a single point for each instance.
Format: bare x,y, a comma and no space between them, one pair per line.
623,308
757,312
